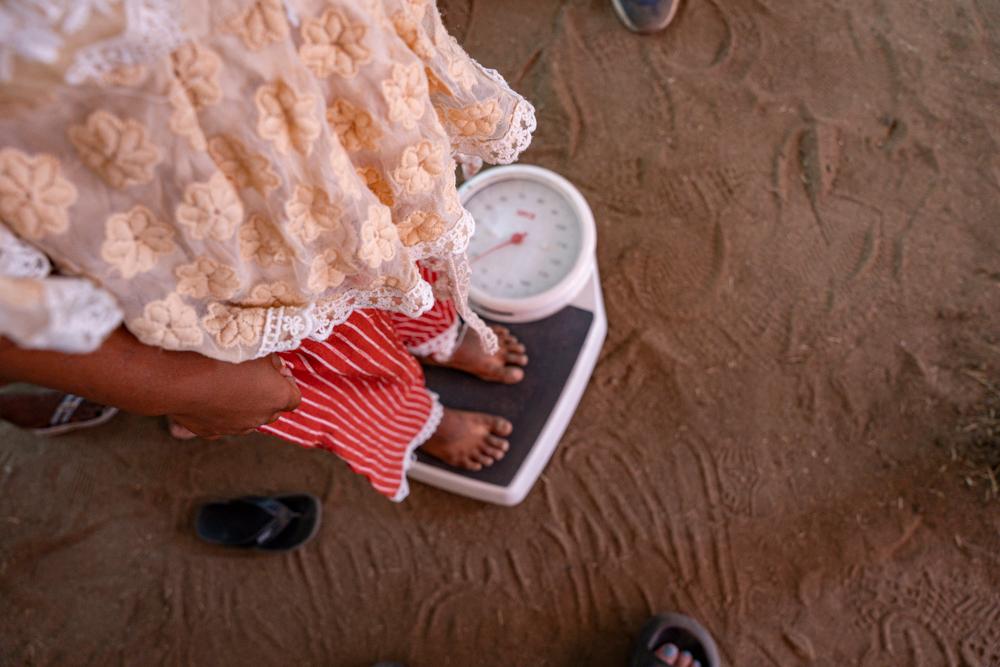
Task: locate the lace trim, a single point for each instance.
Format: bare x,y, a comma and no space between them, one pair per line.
457,267
471,164
20,260
507,148
441,347
286,327
502,150
152,30
452,242
30,29
35,30
82,316
410,456
79,314
414,303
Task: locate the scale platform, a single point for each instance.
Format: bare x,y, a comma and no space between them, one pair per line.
563,350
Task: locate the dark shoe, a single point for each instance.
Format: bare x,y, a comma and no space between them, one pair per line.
281,523
74,413
681,634
646,16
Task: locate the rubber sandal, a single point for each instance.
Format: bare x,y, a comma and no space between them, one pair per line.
278,523
683,632
61,422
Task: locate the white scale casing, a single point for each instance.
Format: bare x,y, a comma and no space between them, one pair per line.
579,286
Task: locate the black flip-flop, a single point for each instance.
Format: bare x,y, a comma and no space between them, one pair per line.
278,523
683,632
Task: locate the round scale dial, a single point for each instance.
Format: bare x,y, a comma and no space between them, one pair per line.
527,239
533,247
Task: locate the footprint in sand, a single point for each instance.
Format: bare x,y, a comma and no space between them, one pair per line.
925,620
701,37
676,279
743,481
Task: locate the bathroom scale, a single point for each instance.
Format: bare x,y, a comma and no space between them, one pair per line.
533,269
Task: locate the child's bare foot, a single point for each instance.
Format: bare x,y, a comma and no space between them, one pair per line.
506,366
471,440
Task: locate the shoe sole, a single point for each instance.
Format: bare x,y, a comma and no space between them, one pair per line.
623,16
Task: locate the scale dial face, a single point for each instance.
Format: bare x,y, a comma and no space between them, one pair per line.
528,238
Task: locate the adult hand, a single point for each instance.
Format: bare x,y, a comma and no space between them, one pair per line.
230,399
208,397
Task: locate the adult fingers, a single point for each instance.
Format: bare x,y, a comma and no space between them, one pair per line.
295,396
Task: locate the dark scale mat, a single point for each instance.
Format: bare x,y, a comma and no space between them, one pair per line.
553,347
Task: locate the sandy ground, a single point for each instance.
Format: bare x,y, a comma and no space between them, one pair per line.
799,229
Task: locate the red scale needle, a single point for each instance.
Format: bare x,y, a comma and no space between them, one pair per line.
515,239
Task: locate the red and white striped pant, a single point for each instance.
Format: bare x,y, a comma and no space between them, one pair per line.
363,392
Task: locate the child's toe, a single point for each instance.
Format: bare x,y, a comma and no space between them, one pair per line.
501,427
512,374
496,448
498,442
668,653
483,459
517,359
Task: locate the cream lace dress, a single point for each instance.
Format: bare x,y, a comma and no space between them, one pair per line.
232,177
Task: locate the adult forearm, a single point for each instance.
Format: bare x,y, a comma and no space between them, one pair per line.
122,372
